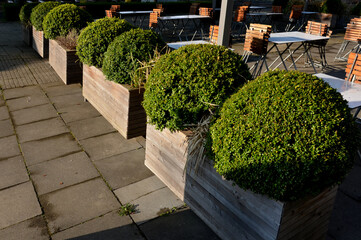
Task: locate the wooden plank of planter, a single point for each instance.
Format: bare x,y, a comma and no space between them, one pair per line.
27,34
230,211
65,63
118,103
40,44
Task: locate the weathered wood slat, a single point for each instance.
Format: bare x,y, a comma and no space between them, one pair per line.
118,103
65,63
40,44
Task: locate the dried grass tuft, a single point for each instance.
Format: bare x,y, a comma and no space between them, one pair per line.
69,41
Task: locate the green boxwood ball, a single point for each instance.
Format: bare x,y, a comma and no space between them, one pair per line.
25,12
124,53
39,12
94,40
184,83
285,135
60,20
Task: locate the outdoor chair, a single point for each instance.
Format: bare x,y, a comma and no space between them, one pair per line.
213,34
294,18
153,18
239,21
194,8
256,42
353,34
115,8
111,13
206,12
353,68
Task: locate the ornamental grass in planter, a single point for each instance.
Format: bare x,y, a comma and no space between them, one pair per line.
279,145
24,17
61,25
40,44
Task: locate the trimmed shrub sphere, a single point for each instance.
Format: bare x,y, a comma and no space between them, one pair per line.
184,83
60,20
285,135
25,12
94,40
39,12
124,53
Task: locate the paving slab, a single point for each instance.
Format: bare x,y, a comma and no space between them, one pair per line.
12,172
49,148
17,204
76,204
34,114
111,226
108,145
26,102
192,227
351,185
78,112
67,100
154,204
62,172
4,113
62,90
124,169
9,147
136,190
2,102
32,229
51,84
22,92
90,127
141,141
6,128
345,223
41,129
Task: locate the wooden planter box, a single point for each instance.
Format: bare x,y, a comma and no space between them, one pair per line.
228,210
118,103
65,63
40,44
27,34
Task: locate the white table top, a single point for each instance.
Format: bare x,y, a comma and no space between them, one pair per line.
176,45
134,12
308,13
178,17
257,7
264,14
350,91
293,37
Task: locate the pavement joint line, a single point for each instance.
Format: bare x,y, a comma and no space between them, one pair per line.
14,185
21,222
45,119
61,156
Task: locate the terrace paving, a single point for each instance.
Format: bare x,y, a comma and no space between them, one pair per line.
65,171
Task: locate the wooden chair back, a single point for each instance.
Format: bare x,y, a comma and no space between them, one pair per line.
158,11
296,12
353,30
257,38
153,19
111,14
115,8
316,28
213,33
277,9
206,11
159,6
194,8
246,4
241,13
353,68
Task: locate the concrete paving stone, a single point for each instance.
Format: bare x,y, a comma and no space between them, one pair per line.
26,102
78,112
2,101
22,92
345,222
41,129
6,128
108,145
124,169
9,147
67,100
90,127
34,114
12,172
32,229
63,90
351,184
51,84
141,141
76,204
154,204
168,227
4,113
111,226
136,190
49,148
17,204
62,172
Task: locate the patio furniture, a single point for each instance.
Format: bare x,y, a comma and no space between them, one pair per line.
134,16
115,8
111,13
262,17
257,8
239,21
294,17
353,34
194,8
